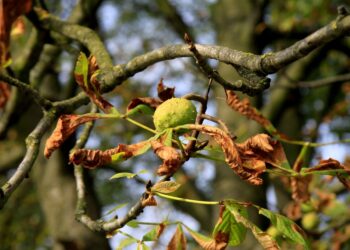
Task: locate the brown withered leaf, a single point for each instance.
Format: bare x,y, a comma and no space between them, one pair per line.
245,108
172,159
5,91
245,158
300,188
149,201
178,241
66,125
90,158
10,10
164,92
206,242
332,164
149,101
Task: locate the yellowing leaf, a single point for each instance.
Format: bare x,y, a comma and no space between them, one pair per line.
165,187
123,175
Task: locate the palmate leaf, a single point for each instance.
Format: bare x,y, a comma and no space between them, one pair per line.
155,233
178,241
240,214
227,224
286,226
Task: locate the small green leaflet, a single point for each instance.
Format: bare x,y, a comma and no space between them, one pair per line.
126,242
204,241
230,226
81,70
168,136
133,224
140,109
286,226
119,157
165,187
127,174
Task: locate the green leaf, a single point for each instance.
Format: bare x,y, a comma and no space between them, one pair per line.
145,247
123,175
227,224
151,235
266,241
142,171
140,109
81,70
286,226
168,136
119,206
165,187
133,224
118,157
126,242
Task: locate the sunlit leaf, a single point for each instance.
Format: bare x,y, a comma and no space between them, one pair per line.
66,126
133,224
155,233
126,242
165,187
123,175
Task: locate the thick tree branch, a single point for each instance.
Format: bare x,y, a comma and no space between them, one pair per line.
32,144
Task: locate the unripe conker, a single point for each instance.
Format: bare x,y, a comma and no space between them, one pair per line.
174,112
310,221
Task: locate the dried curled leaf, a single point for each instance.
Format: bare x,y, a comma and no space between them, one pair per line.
332,164
178,241
164,92
149,201
172,159
66,125
247,159
95,158
245,108
300,188
9,11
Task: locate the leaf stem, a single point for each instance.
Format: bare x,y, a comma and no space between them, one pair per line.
169,197
140,125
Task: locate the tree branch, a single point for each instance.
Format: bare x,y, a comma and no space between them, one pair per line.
44,103
32,145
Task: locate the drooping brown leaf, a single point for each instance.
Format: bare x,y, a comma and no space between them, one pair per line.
149,101
206,242
241,158
5,92
164,92
66,125
244,107
172,159
300,188
178,241
10,10
95,158
332,164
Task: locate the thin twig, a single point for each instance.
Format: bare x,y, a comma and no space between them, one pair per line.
43,102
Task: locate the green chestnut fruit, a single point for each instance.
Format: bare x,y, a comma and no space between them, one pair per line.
310,221
174,112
